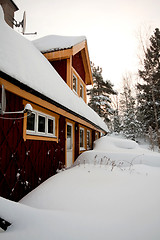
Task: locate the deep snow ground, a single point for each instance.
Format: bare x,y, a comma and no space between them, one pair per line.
93,200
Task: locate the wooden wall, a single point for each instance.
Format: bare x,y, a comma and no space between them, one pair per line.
24,165
61,67
77,63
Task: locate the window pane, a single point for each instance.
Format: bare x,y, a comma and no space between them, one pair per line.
81,138
74,83
81,91
88,140
96,136
31,122
50,126
69,137
41,124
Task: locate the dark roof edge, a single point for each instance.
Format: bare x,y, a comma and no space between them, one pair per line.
15,5
40,95
55,50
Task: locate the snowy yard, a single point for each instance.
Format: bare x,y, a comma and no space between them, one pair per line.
111,193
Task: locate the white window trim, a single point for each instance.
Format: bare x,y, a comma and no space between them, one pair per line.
88,131
82,148
76,84
41,115
54,126
81,85
44,134
33,132
70,124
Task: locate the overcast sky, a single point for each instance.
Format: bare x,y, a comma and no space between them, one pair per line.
110,26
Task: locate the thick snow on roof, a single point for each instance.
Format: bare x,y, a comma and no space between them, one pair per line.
20,59
54,42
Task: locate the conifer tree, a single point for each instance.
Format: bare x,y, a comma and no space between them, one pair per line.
130,127
99,99
116,121
149,90
116,118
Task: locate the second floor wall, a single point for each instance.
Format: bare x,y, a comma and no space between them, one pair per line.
73,73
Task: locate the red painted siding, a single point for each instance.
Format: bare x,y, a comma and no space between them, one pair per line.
61,67
24,165
78,65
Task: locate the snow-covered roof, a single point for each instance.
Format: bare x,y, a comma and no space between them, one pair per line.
20,59
55,42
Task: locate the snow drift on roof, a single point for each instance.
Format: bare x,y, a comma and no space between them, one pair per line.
20,59
54,42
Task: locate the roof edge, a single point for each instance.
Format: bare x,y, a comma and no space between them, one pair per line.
40,95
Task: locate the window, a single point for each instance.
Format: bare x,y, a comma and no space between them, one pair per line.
88,139
74,83
31,122
40,124
51,126
81,91
82,141
96,135
78,85
69,137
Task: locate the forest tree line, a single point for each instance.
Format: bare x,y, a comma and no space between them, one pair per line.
135,111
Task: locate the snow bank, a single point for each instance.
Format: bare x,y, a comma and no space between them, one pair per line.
56,42
123,151
92,201
89,202
20,59
108,143
36,224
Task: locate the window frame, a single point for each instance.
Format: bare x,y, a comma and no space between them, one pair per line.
70,125
82,148
81,86
88,147
96,135
37,124
36,132
54,125
32,131
79,83
74,76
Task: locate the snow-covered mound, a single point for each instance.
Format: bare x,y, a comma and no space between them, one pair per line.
89,202
120,151
92,201
112,143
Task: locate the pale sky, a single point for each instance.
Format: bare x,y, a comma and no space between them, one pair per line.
110,27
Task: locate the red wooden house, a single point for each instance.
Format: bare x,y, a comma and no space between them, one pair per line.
51,74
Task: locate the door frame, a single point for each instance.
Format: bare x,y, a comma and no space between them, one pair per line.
73,141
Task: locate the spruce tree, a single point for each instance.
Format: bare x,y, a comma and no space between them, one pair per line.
99,99
149,89
116,121
130,126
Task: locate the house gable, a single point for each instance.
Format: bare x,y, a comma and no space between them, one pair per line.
75,52
72,52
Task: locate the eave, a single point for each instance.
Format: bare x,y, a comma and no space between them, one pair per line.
67,53
27,93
